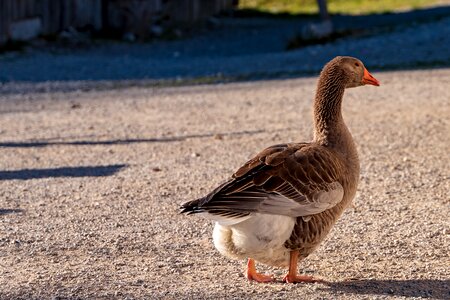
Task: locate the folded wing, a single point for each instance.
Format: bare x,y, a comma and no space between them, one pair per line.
296,180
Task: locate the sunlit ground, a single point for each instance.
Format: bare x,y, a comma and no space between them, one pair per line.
338,6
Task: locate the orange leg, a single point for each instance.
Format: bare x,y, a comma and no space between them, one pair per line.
251,273
291,276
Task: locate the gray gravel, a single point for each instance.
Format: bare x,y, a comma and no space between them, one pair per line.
90,184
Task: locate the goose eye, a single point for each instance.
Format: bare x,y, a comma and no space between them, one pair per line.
356,64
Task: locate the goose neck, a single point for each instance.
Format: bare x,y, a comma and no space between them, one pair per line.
328,121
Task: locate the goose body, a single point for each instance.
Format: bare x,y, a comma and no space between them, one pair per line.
262,237
279,206
269,237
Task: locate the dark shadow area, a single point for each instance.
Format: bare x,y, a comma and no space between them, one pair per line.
246,13
89,171
241,48
362,26
7,211
423,288
361,20
43,143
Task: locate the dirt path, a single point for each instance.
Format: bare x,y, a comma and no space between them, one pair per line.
90,184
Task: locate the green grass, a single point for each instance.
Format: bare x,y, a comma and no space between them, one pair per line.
337,6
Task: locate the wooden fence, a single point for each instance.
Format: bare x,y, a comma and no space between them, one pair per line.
23,19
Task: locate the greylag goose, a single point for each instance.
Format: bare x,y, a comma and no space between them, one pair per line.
279,206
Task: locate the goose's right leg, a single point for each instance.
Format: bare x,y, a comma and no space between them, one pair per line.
251,273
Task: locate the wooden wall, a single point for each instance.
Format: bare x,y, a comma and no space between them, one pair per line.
184,11
57,15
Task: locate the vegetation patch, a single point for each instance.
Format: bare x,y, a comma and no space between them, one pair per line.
355,7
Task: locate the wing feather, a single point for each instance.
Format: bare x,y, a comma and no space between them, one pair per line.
297,180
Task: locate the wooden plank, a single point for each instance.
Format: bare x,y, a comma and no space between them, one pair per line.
97,14
81,13
8,6
29,8
23,9
55,16
3,11
45,14
13,10
66,15
87,12
191,11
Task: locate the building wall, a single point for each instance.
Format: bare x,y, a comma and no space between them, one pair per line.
23,18
51,16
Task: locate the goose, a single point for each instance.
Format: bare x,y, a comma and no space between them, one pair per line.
280,205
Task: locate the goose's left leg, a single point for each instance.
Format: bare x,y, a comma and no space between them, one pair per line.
251,273
291,276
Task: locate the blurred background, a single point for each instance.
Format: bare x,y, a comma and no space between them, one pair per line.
203,41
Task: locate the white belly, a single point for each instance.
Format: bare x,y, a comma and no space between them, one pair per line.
261,237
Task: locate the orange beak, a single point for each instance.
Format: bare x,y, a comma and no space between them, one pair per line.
369,79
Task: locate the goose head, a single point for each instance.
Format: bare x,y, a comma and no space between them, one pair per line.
353,71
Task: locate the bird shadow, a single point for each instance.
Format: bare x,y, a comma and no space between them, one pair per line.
424,288
85,171
51,142
7,211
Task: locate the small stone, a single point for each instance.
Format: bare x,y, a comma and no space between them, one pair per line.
195,154
156,169
26,29
156,30
129,37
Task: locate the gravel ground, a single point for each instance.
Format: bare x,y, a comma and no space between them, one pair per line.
90,183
